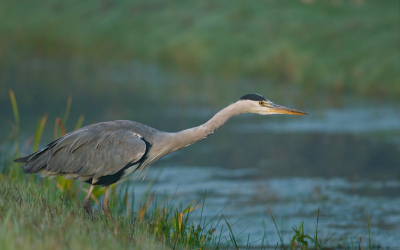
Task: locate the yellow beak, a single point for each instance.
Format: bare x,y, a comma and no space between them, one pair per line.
277,109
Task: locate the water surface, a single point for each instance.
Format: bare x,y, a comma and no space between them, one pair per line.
344,162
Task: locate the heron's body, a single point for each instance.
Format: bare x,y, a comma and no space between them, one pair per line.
103,153
99,154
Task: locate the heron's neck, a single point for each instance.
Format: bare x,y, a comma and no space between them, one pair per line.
189,136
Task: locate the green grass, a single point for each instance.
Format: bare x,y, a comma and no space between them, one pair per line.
47,214
35,218
338,47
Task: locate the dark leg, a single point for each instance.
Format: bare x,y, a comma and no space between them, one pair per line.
86,202
105,203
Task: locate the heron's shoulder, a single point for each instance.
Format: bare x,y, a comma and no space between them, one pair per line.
133,126
114,125
140,129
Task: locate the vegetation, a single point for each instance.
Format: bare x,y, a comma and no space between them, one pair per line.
32,216
317,48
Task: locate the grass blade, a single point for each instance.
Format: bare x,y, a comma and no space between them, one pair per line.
202,207
276,228
80,121
38,133
67,109
369,233
316,232
16,118
232,236
14,107
143,210
58,124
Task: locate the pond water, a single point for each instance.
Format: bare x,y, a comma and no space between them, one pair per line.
344,162
343,205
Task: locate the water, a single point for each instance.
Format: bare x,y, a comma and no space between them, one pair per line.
343,205
246,187
334,121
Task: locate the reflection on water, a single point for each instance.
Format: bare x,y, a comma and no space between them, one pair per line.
343,204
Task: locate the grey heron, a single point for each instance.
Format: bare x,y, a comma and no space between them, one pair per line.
104,153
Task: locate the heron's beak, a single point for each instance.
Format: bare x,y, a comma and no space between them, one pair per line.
277,109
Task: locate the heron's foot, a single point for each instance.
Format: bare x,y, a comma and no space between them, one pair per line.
88,208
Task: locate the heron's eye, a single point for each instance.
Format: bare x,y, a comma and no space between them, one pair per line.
261,102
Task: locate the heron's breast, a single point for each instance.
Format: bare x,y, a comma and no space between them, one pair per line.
130,170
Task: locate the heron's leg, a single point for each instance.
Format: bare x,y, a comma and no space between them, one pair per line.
86,202
105,203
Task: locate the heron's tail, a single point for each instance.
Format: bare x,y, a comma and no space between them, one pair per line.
23,159
35,161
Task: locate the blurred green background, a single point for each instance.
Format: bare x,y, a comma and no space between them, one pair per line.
173,64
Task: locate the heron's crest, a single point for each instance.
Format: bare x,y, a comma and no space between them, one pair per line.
253,97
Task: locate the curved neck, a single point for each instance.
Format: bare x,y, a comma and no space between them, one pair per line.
189,136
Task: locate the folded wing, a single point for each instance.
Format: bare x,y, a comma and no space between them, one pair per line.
90,152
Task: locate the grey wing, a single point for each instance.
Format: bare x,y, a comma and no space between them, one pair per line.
92,153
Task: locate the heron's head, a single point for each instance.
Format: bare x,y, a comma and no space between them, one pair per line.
255,103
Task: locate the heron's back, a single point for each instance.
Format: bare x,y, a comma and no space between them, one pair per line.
93,151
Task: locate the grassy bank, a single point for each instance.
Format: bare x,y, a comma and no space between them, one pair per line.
32,217
48,214
340,47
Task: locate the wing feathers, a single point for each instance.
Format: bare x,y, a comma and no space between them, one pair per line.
91,152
